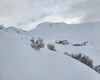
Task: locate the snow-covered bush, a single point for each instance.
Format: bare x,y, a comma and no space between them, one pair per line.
37,44
51,47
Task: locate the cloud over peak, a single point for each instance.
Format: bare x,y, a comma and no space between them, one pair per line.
22,12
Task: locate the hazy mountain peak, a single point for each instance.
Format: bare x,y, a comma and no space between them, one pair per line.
50,24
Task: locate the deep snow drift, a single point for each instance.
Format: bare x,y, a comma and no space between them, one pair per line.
18,61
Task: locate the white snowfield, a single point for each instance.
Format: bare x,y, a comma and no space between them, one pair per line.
18,61
74,33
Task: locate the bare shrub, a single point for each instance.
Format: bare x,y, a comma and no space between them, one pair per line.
97,68
32,40
66,53
17,31
37,44
86,60
51,47
82,58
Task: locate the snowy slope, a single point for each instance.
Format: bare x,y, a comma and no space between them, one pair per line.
84,31
74,33
18,61
15,30
12,29
3,28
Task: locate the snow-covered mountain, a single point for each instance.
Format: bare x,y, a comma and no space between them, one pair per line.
89,31
74,33
19,61
12,29
3,28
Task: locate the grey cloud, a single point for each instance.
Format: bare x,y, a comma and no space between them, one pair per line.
13,12
88,9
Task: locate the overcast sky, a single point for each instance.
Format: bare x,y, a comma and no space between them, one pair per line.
28,13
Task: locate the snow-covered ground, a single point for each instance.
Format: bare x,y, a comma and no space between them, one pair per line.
74,33
18,61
